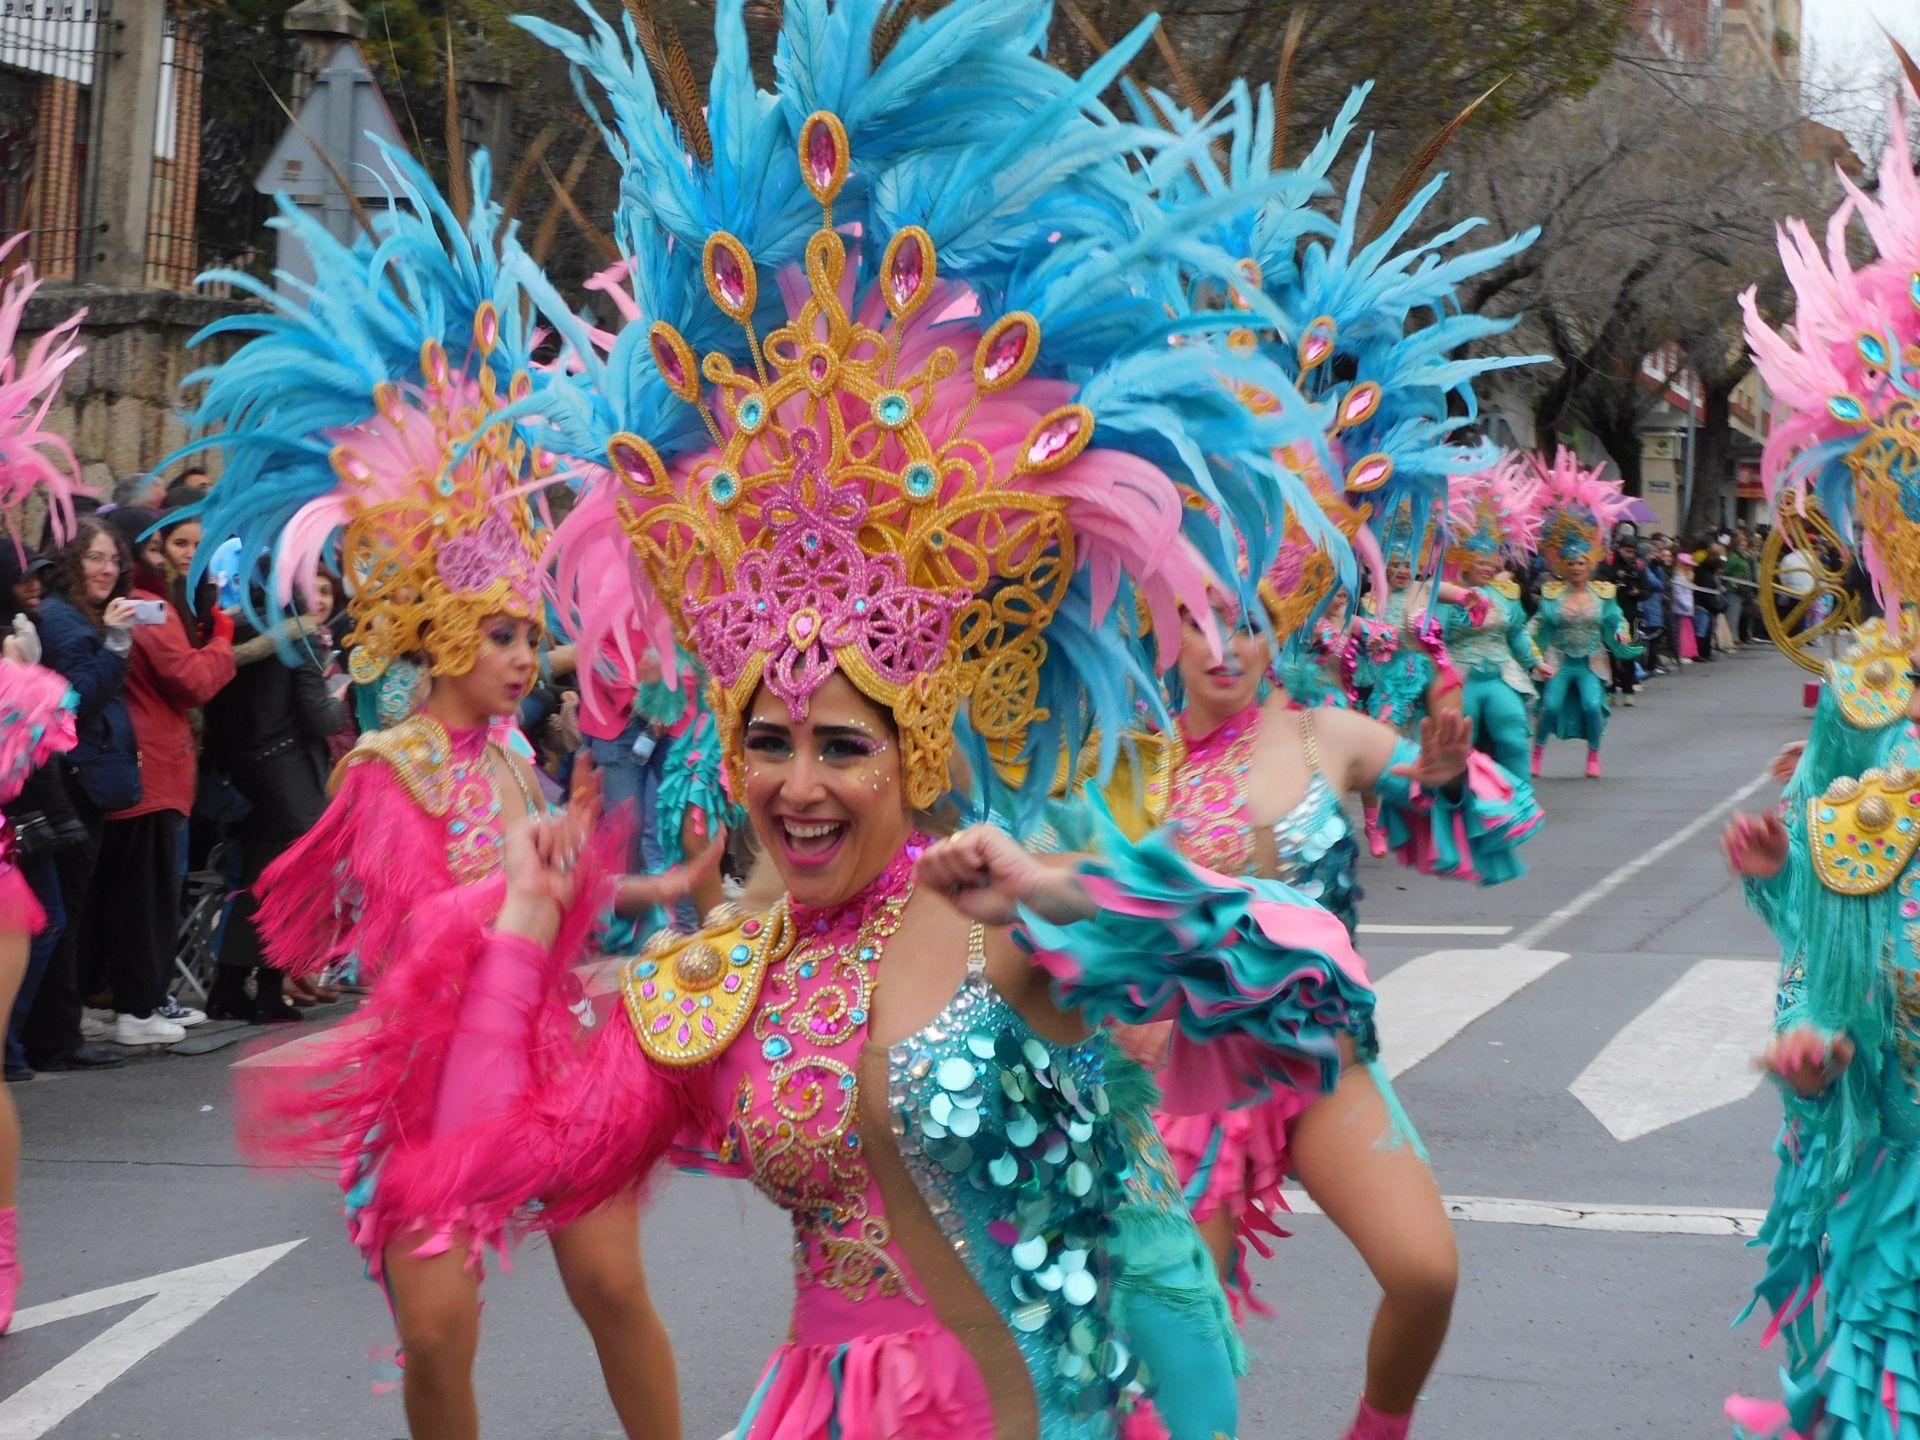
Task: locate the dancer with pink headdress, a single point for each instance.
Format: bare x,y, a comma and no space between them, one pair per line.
36,706
1579,627
376,424
1494,523
1833,872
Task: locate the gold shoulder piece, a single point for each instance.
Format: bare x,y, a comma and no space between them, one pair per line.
1553,590
1869,680
1605,589
689,996
417,750
1508,588
1863,832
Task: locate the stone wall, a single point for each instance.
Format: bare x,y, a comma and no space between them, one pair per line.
121,405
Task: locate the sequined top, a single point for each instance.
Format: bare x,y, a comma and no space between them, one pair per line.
1318,853
1499,647
1010,1141
1007,1139
1585,625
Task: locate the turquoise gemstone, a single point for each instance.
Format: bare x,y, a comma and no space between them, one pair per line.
919,480
892,409
1845,407
1873,350
646,969
725,486
776,1047
753,410
740,954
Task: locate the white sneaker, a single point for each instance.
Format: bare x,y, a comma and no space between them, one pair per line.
156,1029
96,1024
172,1009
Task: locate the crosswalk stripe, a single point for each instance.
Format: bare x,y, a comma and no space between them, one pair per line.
1688,1052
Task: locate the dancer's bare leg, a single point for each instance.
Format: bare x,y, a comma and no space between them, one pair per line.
436,1307
599,1257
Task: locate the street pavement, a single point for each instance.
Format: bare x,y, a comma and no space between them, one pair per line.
1573,1046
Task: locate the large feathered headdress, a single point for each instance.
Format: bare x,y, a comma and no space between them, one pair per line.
1847,372
933,437
374,422
1578,507
1495,511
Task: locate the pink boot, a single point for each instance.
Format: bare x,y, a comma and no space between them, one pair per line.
1593,764
1370,1424
1376,832
1538,751
9,1264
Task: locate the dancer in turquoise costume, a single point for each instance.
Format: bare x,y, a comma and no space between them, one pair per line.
1494,522
1579,627
1834,874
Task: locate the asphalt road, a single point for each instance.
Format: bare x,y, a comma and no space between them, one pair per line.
1600,1272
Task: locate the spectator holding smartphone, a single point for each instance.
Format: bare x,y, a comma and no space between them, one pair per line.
86,633
138,876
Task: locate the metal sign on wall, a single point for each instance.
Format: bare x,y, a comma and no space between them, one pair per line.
348,116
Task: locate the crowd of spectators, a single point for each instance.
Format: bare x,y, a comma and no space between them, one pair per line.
204,751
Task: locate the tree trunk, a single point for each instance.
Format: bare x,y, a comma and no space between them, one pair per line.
1621,440
1713,457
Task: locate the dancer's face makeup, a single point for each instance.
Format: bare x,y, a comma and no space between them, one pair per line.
503,670
1220,689
1399,573
1480,570
825,792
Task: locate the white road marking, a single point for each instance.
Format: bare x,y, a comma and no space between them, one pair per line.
1431,999
1428,1001
1599,891
174,1301
1367,928
1689,1052
1579,1215
295,1051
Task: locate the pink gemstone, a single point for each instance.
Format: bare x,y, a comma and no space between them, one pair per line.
730,984
706,1024
1004,354
823,154
819,1027
909,269
727,275
752,927
683,1034
687,1007
1314,348
1003,1232
1054,439
817,367
649,990
661,1022
664,354
803,626
489,328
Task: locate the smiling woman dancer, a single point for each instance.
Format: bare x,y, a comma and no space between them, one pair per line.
903,525
397,453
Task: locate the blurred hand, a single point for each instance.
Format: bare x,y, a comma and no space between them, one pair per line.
1786,762
988,876
119,614
1446,745
1807,1060
1755,845
23,645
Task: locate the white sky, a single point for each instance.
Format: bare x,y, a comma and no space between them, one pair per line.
1843,43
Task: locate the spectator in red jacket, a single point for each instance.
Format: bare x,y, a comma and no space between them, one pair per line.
138,877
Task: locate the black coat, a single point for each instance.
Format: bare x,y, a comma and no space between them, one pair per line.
267,732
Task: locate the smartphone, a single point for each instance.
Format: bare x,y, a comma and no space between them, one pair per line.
149,612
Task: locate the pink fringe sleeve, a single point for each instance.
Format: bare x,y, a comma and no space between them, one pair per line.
354,882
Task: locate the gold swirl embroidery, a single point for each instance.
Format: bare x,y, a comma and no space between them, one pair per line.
805,1149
